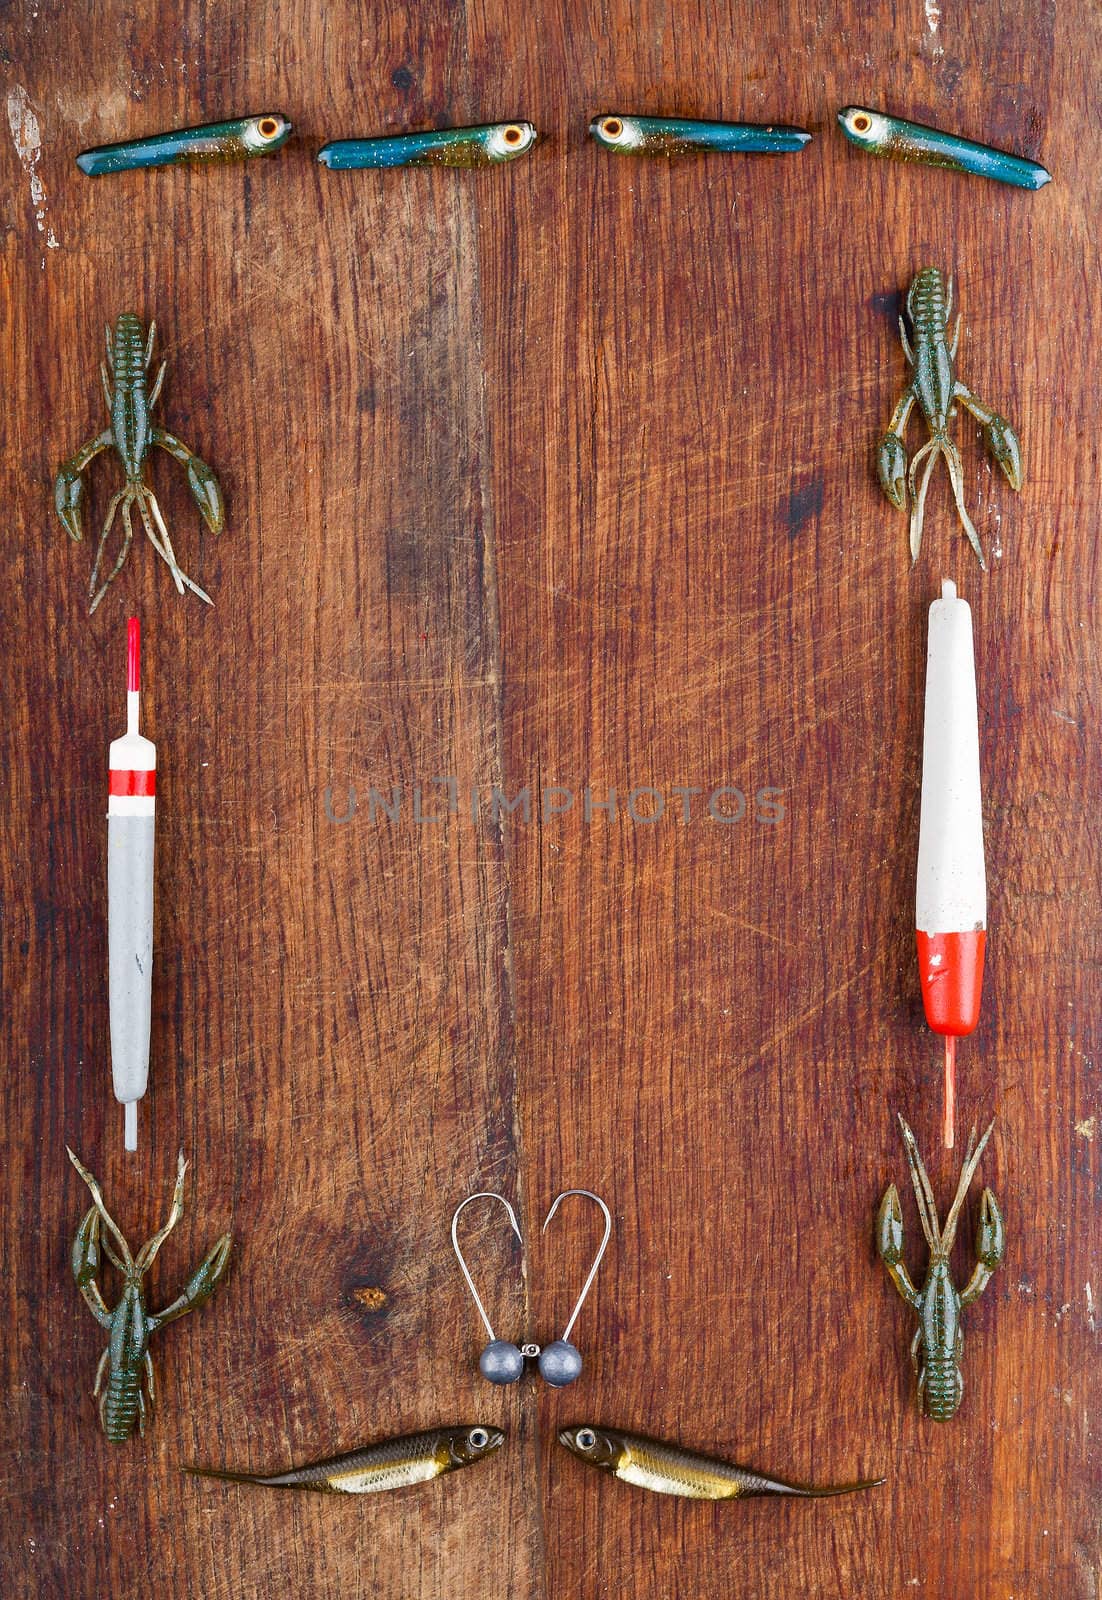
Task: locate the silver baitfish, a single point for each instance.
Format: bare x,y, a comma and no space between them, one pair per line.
215,141
881,135
668,1469
677,136
484,146
392,1464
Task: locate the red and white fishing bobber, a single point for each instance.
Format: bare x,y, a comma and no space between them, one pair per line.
131,803
951,902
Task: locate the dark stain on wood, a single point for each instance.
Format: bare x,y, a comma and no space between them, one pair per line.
803,505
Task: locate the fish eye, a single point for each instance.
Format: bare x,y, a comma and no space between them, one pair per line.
513,135
586,1438
478,1438
862,122
267,127
612,127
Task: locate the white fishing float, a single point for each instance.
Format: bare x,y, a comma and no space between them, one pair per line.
131,802
951,899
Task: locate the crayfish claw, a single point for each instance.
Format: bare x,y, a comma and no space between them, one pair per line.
889,1245
891,467
990,1248
207,494
86,1261
990,1233
68,494
200,1286
86,1249
889,1228
1002,444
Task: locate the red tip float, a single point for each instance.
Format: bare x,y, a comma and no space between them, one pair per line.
951,897
133,655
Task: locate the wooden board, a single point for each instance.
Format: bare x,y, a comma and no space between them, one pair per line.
554,478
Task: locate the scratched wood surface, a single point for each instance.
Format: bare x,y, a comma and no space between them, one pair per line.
555,478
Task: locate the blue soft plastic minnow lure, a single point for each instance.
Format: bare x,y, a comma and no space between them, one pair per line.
215,141
881,135
677,136
484,146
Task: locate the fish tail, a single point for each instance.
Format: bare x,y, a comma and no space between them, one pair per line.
759,1485
844,1488
279,1481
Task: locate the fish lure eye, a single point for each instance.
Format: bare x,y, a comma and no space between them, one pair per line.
504,140
267,127
612,128
586,1438
478,1438
865,126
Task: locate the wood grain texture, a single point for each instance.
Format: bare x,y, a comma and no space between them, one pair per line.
558,475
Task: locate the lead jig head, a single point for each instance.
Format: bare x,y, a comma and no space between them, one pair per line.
500,1362
560,1362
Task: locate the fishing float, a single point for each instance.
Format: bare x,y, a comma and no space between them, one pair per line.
951,894
131,804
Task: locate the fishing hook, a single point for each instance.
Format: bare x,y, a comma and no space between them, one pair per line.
501,1361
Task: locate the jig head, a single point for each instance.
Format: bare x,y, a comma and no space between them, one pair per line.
560,1362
